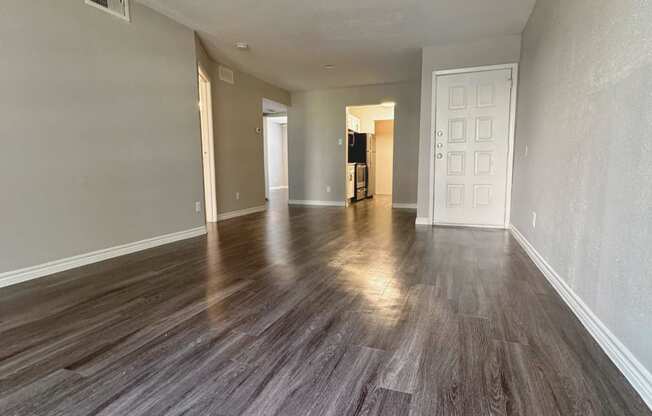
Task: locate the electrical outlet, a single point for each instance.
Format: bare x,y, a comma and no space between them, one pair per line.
328,189
197,206
237,196
340,142
534,220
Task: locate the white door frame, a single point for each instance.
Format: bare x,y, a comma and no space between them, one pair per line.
512,133
266,122
210,197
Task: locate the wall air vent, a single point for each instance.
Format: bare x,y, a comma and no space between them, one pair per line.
226,75
118,8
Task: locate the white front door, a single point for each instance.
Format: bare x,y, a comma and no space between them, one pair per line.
472,144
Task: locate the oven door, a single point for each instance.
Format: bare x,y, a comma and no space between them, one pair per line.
360,176
361,194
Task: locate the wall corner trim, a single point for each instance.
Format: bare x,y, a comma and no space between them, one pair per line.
317,203
34,272
424,221
398,205
240,213
638,376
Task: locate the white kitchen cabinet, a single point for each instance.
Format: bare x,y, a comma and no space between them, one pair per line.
353,123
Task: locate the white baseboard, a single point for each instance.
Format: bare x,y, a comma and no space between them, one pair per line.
639,376
404,206
46,269
276,188
423,221
317,203
240,213
479,226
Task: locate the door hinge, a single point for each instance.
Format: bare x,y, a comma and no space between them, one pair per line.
510,80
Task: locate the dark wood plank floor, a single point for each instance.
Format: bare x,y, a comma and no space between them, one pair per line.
306,311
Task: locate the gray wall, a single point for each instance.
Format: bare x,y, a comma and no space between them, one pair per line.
317,120
585,113
490,51
239,149
99,132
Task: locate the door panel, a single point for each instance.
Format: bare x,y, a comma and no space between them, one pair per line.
472,147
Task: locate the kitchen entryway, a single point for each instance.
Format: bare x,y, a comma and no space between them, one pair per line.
369,151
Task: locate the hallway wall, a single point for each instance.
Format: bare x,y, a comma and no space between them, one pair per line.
239,155
584,157
277,153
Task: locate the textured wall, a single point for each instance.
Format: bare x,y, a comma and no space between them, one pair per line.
489,51
585,115
99,130
317,120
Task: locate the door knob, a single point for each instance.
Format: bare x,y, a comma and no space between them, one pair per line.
440,145
440,133
440,156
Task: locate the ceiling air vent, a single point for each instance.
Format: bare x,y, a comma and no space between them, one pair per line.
226,75
118,8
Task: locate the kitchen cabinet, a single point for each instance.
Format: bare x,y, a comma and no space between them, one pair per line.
353,123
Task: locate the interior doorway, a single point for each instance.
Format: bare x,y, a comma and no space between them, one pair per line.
275,148
370,152
207,144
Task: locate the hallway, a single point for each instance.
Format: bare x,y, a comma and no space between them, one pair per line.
306,311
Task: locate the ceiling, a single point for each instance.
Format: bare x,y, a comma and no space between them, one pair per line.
368,41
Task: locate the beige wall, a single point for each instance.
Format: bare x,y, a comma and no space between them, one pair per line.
239,149
384,156
317,124
489,51
585,115
99,130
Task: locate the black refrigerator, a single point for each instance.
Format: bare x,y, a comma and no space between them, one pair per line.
357,147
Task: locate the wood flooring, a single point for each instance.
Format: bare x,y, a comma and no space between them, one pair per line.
306,311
